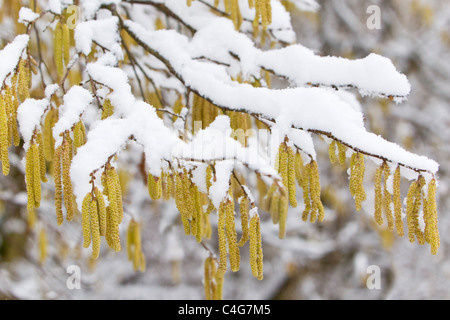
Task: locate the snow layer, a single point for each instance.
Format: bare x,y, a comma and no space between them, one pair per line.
29,116
311,109
10,55
76,100
26,15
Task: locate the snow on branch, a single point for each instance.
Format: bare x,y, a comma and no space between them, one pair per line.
316,110
11,54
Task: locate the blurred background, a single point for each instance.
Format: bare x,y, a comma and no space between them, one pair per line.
315,261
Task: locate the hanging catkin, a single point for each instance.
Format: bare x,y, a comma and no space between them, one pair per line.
332,152
209,278
66,159
154,187
134,246
256,254
378,196
65,41
114,210
430,217
244,209
387,198
398,203
47,135
58,48
230,230
58,185
4,143
24,81
86,219
291,177
180,201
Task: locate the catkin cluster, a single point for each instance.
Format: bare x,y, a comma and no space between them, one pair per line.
227,235
134,247
278,199
421,203
34,173
263,13
62,159
100,218
190,203
308,178
10,95
114,211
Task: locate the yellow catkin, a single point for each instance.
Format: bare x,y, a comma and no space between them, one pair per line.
95,229
79,135
114,211
58,48
291,177
154,187
130,239
137,246
235,15
117,191
42,168
387,198
274,206
24,79
431,223
29,178
410,197
218,289
101,211
107,109
43,244
168,185
283,210
86,219
208,278
230,229
66,159
180,202
58,185
9,108
65,39
4,143
398,203
256,254
36,174
14,94
417,204
195,219
222,238
317,210
357,178
188,3
332,152
280,208
306,185
244,209
342,151
378,196
47,135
